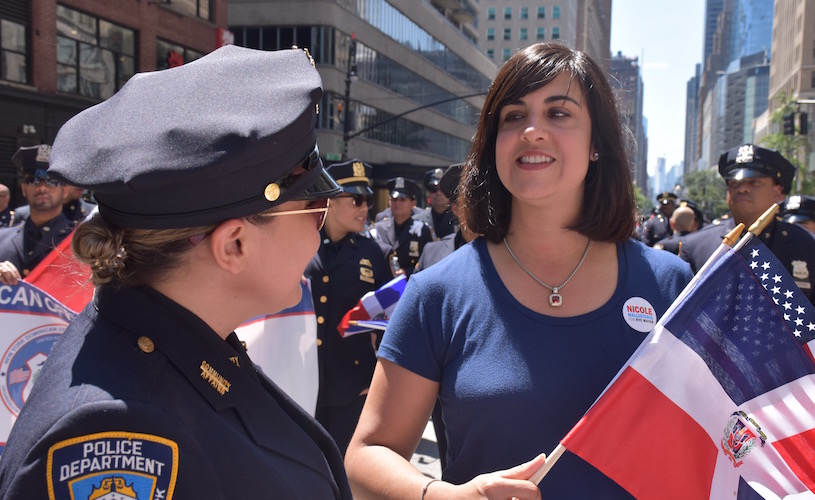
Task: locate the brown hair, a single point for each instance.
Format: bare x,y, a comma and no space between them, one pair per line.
608,212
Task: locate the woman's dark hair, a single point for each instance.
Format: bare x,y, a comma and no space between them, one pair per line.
608,212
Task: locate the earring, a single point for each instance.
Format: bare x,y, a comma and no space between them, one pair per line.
595,156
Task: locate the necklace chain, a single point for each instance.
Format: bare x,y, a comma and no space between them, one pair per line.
555,299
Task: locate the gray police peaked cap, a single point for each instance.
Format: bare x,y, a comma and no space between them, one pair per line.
211,140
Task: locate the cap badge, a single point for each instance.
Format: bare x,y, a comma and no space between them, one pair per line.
272,192
745,154
310,59
794,203
400,183
44,153
359,169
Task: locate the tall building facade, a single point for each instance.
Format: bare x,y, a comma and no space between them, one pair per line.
692,121
508,25
626,81
403,80
62,56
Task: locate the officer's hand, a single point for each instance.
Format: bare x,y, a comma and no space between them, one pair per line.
9,275
510,483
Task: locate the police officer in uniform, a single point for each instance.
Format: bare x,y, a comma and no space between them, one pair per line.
684,220
402,232
658,226
75,207
756,178
442,220
24,246
208,215
346,266
801,210
7,216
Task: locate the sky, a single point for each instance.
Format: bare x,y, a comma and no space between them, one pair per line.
668,38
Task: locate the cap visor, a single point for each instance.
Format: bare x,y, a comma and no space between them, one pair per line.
323,186
363,190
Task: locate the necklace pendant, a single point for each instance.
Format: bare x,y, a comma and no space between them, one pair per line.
555,299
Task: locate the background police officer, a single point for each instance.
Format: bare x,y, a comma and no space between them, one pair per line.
442,220
658,226
24,246
756,178
346,266
801,210
402,232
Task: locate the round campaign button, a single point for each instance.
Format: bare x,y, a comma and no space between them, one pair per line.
639,314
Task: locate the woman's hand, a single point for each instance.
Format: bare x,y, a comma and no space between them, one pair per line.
9,275
500,485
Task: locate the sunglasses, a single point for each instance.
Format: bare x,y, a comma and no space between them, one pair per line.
319,205
432,189
35,181
360,199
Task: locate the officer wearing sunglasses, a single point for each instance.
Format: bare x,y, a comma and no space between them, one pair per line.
347,265
209,211
24,246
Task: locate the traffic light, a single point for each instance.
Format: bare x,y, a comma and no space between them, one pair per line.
789,124
803,125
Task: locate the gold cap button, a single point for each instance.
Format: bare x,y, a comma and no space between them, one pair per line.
356,362
323,299
272,192
319,342
146,345
320,320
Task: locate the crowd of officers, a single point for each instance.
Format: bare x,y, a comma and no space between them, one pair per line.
360,252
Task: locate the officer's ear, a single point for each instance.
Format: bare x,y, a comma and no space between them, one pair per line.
226,246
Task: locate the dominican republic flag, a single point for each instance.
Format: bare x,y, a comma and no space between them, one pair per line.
719,401
62,276
374,309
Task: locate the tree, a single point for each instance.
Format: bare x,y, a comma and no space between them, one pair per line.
707,189
795,148
644,205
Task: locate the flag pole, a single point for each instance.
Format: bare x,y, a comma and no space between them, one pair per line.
758,226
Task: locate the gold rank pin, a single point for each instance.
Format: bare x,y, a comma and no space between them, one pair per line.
214,378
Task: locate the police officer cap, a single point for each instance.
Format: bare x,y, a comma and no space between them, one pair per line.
399,186
799,209
449,181
666,197
32,161
748,161
432,178
214,139
353,176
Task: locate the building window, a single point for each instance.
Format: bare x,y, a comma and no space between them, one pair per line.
491,53
541,12
94,57
195,8
13,66
555,33
491,14
541,34
507,12
507,33
170,55
556,12
524,12
524,34
490,33
506,55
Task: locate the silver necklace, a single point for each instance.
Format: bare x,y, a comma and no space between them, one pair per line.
555,299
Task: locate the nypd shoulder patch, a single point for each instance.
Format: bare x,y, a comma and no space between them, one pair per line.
112,465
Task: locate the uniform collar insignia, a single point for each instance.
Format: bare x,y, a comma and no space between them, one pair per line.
214,378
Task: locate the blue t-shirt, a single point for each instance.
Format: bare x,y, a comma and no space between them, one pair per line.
513,382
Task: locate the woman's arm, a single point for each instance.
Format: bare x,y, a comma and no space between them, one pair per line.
390,427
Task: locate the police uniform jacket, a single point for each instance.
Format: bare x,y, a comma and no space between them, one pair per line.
341,273
672,243
23,211
792,245
140,393
443,224
78,209
407,244
655,229
26,245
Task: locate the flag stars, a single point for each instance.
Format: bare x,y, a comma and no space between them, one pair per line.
777,278
788,294
765,277
754,253
753,265
811,327
800,310
786,317
799,322
787,306
797,332
776,290
765,266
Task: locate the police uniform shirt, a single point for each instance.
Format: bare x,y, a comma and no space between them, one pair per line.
77,210
791,244
407,240
655,229
26,245
140,394
341,273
